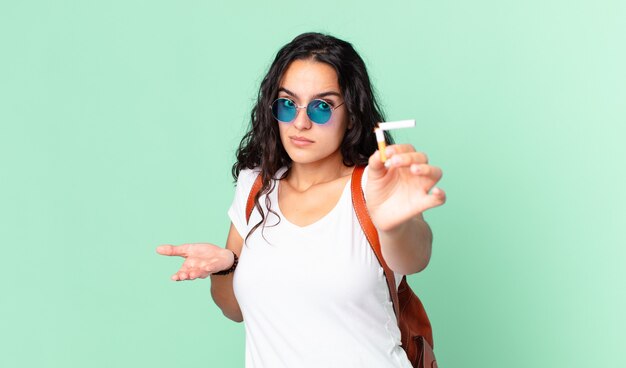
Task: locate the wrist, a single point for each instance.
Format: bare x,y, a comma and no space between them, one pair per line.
397,230
233,265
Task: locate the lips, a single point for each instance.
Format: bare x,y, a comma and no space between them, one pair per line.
300,139
300,142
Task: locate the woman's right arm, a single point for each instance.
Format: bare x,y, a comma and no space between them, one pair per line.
222,285
204,259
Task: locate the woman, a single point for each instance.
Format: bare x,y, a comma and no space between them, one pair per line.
307,283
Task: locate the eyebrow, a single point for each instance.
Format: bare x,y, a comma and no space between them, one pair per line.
323,94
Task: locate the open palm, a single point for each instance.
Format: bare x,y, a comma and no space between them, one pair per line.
201,259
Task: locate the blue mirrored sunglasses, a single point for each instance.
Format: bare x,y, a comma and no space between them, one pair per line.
319,111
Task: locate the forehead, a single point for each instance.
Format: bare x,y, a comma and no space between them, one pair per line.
309,76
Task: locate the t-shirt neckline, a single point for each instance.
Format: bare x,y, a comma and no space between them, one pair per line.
322,219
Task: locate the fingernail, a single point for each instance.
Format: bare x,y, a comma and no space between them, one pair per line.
388,164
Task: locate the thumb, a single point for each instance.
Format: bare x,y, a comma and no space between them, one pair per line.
377,168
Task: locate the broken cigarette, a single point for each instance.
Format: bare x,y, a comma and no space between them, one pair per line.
390,125
380,135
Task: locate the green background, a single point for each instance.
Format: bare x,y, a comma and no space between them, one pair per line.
119,122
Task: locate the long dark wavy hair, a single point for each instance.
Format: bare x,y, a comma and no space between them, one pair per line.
261,147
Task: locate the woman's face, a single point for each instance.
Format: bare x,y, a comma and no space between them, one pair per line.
305,141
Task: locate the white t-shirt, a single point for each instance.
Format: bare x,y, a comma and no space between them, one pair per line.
312,296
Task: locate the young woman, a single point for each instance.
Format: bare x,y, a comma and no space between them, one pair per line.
306,283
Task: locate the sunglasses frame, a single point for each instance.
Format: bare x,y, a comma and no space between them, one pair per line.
298,107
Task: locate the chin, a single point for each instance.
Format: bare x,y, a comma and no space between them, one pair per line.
304,158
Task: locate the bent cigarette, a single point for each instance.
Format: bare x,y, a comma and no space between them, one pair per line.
389,125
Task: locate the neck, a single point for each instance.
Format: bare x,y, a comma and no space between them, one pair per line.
304,175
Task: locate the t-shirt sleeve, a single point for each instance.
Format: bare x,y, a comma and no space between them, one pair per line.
397,275
237,210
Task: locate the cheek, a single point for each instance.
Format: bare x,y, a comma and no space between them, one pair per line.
282,130
334,132
337,125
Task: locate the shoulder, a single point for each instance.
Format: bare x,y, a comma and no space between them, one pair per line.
247,177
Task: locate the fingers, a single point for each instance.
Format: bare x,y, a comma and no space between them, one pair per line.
172,250
190,274
193,269
437,197
402,148
187,271
405,152
432,172
402,159
201,259
403,156
376,167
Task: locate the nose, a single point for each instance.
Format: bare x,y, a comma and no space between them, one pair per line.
302,120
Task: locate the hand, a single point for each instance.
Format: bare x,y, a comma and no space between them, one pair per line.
402,191
201,259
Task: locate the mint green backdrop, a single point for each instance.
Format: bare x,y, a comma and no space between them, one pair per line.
119,122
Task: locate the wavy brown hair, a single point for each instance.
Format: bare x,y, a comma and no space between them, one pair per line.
261,147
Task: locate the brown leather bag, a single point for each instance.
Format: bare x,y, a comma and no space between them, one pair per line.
416,331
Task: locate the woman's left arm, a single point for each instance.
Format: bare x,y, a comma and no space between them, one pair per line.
396,198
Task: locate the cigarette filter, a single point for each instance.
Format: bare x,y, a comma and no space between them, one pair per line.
380,138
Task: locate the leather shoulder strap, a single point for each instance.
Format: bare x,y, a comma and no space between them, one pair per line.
358,202
256,187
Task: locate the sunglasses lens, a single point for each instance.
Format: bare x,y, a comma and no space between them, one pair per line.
284,110
319,111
